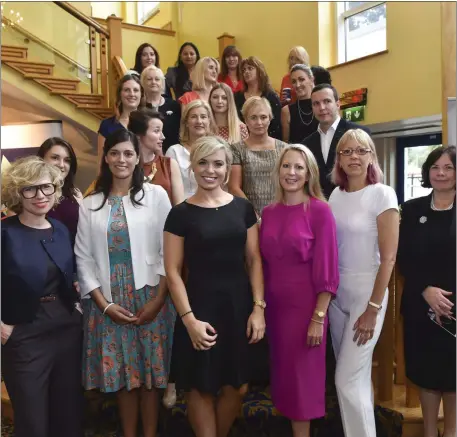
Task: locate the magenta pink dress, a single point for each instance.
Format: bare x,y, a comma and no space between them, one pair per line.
300,257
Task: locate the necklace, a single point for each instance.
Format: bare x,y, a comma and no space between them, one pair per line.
432,205
301,112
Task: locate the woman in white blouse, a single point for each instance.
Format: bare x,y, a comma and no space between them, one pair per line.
127,331
197,121
367,223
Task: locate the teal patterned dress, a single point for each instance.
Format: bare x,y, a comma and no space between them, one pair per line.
125,356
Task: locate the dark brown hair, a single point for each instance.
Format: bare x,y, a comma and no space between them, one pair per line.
433,156
262,76
230,51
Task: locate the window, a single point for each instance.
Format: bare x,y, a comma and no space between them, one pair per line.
145,10
361,29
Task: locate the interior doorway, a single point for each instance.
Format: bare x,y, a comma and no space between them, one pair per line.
411,154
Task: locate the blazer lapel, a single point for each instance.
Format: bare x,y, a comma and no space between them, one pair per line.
340,130
316,148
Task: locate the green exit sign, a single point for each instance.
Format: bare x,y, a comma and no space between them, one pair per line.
357,113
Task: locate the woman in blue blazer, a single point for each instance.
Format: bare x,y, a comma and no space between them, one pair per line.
40,328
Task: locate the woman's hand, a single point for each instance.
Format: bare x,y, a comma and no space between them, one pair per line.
438,302
365,325
315,333
202,335
256,325
149,312
7,330
120,315
77,288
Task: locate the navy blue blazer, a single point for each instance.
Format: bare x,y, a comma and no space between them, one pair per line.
25,268
313,142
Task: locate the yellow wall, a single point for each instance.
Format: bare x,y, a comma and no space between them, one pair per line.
163,17
167,47
105,9
267,30
406,82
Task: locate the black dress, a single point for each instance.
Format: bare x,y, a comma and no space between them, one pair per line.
427,257
171,111
274,130
219,293
302,121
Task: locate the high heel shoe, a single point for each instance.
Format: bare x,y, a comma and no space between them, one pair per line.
169,398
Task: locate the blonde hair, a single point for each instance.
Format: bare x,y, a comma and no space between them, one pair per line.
158,71
254,101
184,130
206,146
197,76
300,53
312,186
374,172
233,120
25,172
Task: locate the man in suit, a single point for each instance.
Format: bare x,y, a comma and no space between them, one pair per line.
326,107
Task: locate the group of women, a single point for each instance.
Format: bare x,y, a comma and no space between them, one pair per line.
180,259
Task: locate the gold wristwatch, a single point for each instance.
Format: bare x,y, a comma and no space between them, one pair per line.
320,314
261,303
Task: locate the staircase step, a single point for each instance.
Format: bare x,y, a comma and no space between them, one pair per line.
82,99
54,83
29,67
14,52
99,112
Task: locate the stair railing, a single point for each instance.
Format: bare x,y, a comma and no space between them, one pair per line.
105,45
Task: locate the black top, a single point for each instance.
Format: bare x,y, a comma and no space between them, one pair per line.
27,274
426,252
313,142
171,112
171,83
302,121
274,129
219,293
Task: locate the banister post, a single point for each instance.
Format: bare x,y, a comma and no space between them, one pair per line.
115,49
225,40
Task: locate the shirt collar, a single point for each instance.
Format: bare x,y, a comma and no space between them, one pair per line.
333,126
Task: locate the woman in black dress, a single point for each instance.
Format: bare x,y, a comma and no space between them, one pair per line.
297,119
220,304
427,259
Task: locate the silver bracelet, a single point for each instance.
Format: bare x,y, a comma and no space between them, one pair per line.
107,306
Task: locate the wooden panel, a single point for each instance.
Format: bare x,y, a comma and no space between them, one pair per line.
225,40
14,52
28,67
104,69
448,59
93,60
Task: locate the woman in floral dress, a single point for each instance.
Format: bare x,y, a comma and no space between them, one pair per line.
128,322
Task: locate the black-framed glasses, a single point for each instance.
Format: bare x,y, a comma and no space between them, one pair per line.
359,151
32,191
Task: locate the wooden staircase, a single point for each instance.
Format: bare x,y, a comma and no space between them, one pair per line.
43,74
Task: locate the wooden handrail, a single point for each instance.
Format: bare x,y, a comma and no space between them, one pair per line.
32,37
140,28
82,17
119,66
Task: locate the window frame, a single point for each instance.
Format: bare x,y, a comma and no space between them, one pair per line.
143,16
341,16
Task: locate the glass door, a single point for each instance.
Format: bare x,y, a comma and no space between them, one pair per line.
411,154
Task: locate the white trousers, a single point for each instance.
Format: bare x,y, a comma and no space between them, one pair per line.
353,363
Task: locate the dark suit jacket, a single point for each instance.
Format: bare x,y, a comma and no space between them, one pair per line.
426,253
25,268
313,142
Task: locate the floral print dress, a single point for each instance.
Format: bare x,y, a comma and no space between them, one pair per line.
125,356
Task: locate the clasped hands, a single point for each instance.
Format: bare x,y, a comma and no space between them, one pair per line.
204,336
147,314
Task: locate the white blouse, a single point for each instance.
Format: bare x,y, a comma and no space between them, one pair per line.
182,156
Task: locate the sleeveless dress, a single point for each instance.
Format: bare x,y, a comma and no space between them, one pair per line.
302,121
125,356
219,293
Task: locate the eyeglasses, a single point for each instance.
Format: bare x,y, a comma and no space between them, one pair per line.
359,151
32,191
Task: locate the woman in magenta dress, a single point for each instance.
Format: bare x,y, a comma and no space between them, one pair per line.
299,251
